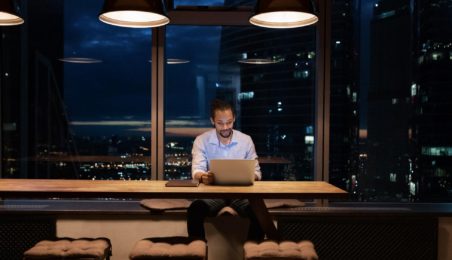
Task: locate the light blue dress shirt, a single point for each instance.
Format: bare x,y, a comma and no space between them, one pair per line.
207,146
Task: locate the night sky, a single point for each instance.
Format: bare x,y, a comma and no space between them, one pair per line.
114,95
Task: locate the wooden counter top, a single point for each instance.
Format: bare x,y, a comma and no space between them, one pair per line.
40,188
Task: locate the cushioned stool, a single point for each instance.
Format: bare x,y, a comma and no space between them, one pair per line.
287,250
70,248
174,248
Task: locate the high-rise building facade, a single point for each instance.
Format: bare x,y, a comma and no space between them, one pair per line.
431,94
276,74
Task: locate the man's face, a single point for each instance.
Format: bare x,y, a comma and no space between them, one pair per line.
223,122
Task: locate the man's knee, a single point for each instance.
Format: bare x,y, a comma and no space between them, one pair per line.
197,207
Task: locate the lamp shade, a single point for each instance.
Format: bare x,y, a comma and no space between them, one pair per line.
8,15
134,13
283,14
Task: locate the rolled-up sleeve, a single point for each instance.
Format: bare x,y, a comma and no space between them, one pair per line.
251,154
199,158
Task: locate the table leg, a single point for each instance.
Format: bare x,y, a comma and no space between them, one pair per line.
264,218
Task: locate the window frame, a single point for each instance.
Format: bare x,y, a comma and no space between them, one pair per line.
240,18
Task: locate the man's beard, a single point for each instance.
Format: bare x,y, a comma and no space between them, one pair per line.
226,133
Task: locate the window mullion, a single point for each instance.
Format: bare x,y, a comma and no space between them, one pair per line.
157,112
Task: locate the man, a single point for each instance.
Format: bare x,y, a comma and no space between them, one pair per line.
222,142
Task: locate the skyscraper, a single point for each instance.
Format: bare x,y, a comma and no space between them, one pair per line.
389,105
431,93
343,110
277,74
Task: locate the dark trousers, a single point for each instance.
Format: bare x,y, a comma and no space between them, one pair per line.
200,209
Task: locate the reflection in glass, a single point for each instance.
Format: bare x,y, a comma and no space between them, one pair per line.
78,101
273,101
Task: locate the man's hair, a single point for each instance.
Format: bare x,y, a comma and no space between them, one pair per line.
220,105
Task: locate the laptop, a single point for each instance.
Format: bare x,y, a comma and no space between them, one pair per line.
233,172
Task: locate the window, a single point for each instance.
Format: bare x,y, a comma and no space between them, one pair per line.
397,145
75,95
71,107
258,71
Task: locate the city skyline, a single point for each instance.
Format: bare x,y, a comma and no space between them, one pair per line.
389,97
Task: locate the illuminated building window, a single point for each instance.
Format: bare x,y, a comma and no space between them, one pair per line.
413,89
309,139
392,177
354,97
246,95
304,74
436,56
412,188
437,151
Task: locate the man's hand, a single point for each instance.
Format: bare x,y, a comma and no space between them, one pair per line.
205,177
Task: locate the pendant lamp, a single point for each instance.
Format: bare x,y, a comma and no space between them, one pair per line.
134,13
8,15
283,13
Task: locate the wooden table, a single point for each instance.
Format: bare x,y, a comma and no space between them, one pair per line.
39,188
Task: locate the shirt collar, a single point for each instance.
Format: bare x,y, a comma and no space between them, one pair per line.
213,139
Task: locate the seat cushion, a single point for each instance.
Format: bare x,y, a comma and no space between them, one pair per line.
272,250
169,248
160,205
69,248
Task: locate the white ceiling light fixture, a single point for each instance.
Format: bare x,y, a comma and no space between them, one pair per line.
8,15
257,61
176,61
134,13
80,60
283,14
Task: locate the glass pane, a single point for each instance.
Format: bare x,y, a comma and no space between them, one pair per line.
75,95
269,77
391,100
